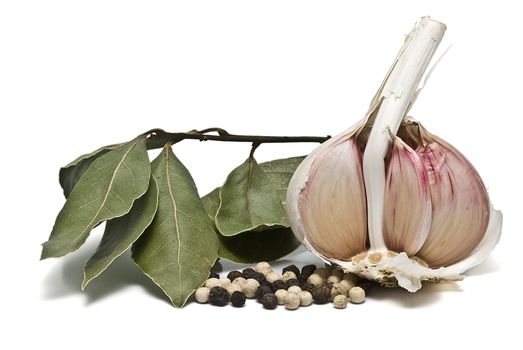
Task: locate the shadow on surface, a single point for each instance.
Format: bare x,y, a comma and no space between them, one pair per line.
65,278
427,295
488,266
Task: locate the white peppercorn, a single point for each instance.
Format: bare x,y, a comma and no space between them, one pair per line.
272,276
252,282
202,295
250,288
357,295
288,275
347,285
239,281
233,287
224,282
333,279
305,298
340,301
212,282
292,301
294,289
263,267
316,280
281,294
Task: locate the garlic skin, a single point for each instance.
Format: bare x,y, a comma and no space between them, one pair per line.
389,201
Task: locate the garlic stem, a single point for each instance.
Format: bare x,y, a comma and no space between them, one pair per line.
397,93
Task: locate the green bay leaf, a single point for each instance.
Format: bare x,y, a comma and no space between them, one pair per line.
253,195
107,190
120,233
252,246
72,172
180,246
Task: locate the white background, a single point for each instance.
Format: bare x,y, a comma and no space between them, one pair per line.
76,75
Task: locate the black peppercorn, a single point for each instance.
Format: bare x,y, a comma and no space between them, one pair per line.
262,290
214,275
238,299
234,275
248,273
293,282
308,269
218,296
307,287
269,301
330,284
292,268
278,284
258,276
321,295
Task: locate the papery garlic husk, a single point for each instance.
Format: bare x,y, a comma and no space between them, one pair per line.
386,199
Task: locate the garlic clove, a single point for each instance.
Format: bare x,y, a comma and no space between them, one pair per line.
332,205
407,208
460,203
484,248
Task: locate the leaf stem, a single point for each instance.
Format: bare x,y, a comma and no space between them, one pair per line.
157,138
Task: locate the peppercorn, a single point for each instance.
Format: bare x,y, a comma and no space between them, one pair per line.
357,295
263,267
281,294
238,299
262,290
212,282
305,298
294,289
307,287
292,282
278,284
258,276
269,301
347,284
292,268
202,295
292,301
214,275
316,280
272,276
340,301
308,270
288,275
218,296
329,285
333,279
239,281
224,282
248,273
322,271
234,275
337,272
234,287
321,295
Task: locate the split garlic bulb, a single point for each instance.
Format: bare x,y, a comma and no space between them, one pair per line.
386,199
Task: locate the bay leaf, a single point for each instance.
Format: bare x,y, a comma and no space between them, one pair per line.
280,171
72,172
120,233
252,246
253,195
180,246
107,190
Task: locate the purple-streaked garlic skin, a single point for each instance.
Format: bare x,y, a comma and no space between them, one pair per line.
407,210
333,203
460,203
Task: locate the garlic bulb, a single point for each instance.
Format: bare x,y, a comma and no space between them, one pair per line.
386,199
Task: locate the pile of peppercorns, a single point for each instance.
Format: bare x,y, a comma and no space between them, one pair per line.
293,288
